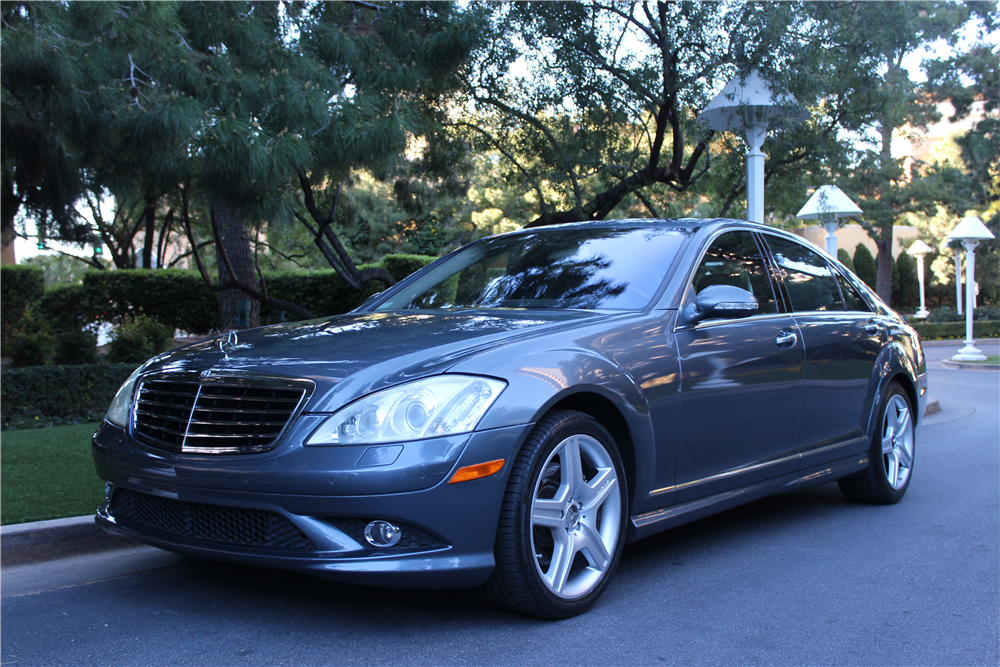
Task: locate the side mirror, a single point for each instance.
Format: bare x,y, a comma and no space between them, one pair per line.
719,301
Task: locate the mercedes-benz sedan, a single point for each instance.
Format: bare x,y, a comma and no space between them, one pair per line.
515,413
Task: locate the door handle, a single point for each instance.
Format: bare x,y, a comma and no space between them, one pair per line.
871,328
786,338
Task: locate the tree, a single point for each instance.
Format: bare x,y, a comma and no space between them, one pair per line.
251,112
864,265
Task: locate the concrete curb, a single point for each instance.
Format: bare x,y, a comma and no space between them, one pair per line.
954,341
948,363
42,541
933,407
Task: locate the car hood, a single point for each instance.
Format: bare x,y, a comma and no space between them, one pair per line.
351,355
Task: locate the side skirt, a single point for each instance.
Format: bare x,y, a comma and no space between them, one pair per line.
650,523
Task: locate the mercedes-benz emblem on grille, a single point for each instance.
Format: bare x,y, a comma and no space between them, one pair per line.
228,343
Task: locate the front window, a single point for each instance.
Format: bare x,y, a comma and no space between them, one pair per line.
579,267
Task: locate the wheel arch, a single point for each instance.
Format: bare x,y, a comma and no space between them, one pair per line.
607,413
895,366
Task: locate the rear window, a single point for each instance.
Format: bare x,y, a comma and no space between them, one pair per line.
579,267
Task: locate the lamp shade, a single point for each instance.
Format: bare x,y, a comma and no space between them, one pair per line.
919,249
748,100
828,201
970,228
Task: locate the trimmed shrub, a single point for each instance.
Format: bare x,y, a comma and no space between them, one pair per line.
80,393
137,340
940,330
29,348
76,347
864,265
400,266
845,258
68,307
909,284
20,286
949,314
176,297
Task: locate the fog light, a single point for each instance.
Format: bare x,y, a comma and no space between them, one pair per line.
382,534
107,490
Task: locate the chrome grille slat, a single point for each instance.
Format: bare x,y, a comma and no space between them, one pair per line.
219,414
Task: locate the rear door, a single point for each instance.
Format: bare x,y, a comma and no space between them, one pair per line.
842,338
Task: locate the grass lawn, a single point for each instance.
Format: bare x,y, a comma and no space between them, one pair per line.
48,473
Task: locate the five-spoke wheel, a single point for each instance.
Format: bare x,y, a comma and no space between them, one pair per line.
887,476
562,526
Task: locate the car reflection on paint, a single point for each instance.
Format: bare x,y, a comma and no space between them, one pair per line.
512,415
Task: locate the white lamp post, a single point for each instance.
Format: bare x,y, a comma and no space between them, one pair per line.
970,231
747,102
919,249
827,203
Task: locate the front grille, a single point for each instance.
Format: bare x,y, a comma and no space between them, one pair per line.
221,414
411,537
194,522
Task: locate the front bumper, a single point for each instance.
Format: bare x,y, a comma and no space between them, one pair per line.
198,506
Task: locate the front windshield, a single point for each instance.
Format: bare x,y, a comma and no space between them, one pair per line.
618,268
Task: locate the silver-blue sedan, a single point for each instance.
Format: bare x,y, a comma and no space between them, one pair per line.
515,413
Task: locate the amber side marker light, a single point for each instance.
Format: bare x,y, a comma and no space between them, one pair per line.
475,472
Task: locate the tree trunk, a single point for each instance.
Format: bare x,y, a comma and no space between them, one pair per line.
883,274
231,238
149,238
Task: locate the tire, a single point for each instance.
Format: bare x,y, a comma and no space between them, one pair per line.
890,458
563,519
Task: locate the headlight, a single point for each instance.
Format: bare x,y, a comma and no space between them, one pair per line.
118,413
443,405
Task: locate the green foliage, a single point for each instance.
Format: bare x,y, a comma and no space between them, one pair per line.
48,473
20,286
175,297
845,258
909,284
323,293
400,266
68,307
75,347
864,265
948,314
59,392
138,339
942,330
30,347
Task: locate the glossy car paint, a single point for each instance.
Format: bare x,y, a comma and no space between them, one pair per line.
706,417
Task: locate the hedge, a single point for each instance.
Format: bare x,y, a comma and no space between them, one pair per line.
939,330
66,393
20,286
178,298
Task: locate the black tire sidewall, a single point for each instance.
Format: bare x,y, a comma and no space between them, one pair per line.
548,434
890,494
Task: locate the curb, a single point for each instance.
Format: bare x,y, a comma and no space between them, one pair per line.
41,541
954,341
948,363
933,407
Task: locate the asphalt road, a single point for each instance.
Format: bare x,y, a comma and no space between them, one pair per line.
804,578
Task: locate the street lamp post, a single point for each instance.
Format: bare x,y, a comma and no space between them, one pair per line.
828,203
970,231
748,103
919,249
